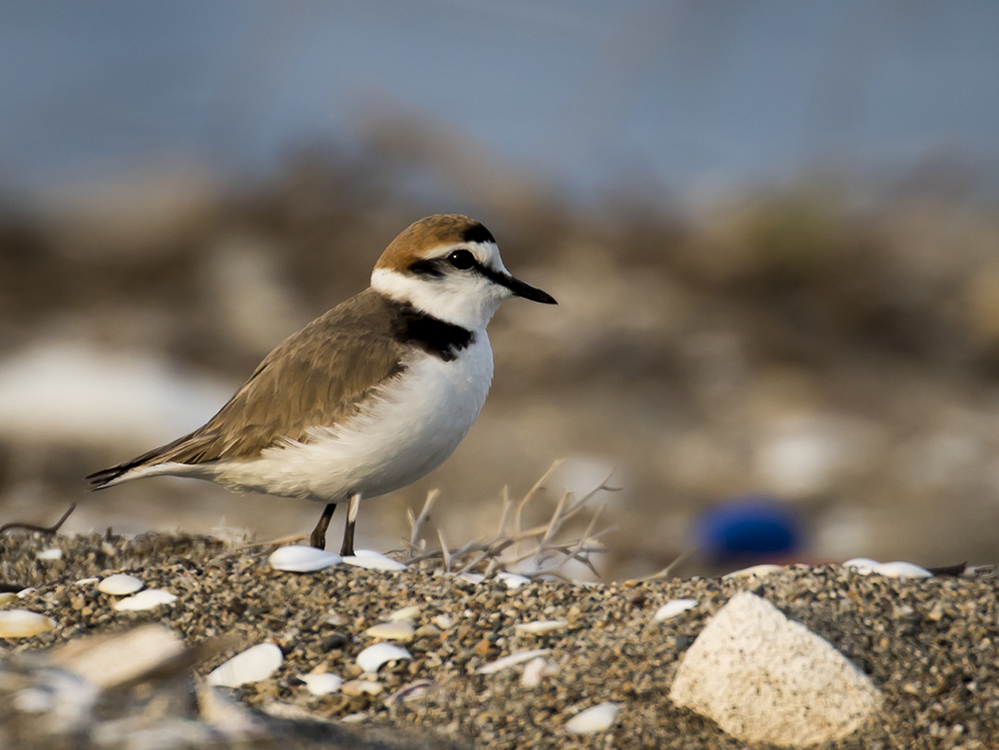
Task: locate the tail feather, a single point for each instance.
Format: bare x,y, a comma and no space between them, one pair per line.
183,450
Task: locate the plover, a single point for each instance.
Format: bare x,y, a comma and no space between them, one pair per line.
367,398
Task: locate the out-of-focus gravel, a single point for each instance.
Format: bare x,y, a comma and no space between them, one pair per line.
931,645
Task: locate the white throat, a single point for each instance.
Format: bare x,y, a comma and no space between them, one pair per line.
469,305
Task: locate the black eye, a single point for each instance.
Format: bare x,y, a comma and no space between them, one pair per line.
461,259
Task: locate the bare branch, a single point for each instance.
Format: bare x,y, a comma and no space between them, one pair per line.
53,529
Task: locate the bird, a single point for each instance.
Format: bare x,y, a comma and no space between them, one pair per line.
370,396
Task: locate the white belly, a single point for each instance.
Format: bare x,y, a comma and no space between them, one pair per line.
408,431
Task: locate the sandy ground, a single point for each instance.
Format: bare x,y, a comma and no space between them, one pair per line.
931,645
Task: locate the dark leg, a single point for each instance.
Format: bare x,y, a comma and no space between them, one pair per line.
318,538
348,530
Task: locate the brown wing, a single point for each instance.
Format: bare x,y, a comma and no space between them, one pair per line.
316,377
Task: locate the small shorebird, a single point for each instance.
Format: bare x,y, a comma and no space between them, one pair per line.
367,398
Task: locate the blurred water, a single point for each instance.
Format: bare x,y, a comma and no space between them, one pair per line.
681,93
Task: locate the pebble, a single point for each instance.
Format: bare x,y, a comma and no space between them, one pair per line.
593,720
120,584
299,559
673,608
21,623
373,657
366,558
148,599
361,687
253,665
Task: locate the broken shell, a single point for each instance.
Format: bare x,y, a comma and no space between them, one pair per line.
20,623
517,657
373,657
400,630
673,608
901,569
861,564
474,578
427,631
322,684
754,571
298,559
120,584
7,597
24,592
411,692
406,613
87,581
512,580
593,720
535,670
366,558
50,554
442,621
361,687
256,663
541,627
148,599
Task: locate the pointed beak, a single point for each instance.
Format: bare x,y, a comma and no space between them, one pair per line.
520,289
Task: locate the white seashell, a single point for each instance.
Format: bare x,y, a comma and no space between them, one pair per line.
24,592
411,691
361,687
87,581
475,578
373,657
148,599
321,684
7,597
297,559
512,580
754,571
20,623
900,569
120,584
366,558
50,554
541,627
673,608
406,613
593,720
399,630
862,564
536,669
517,657
442,621
253,665
357,717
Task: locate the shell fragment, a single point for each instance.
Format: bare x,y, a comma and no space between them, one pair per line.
322,684
366,558
540,627
398,630
298,559
20,623
253,665
373,657
148,599
593,720
120,584
673,608
517,657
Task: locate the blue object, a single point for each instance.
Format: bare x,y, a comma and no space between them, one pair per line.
748,526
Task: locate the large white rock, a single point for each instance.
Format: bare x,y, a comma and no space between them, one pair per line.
764,678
